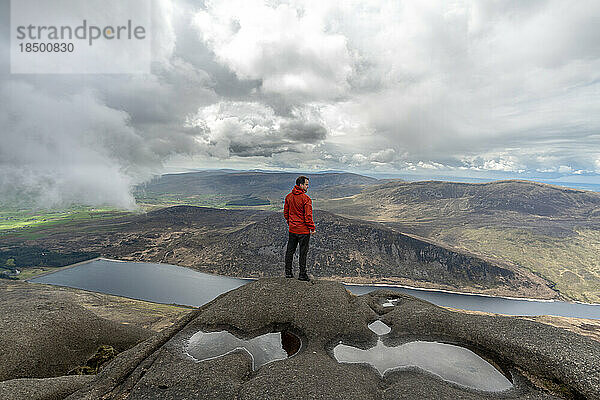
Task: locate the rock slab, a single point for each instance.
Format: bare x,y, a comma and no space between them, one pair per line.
542,361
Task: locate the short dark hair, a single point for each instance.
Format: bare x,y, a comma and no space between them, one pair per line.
301,179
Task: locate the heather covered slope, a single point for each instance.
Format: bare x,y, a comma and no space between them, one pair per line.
252,244
359,251
429,206
552,231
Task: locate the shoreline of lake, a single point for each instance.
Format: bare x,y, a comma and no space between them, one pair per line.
177,285
376,283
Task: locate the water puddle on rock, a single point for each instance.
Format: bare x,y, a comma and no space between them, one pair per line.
379,328
451,363
389,303
262,349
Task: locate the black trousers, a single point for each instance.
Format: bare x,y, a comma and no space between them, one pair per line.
293,241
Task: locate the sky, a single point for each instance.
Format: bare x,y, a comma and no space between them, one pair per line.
482,89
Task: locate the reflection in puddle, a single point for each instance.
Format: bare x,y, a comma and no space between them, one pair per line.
262,349
379,328
390,303
449,362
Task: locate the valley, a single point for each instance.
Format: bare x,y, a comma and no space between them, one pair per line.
511,238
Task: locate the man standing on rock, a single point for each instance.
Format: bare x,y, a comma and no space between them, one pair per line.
298,214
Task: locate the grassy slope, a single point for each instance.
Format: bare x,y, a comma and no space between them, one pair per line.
572,262
564,249
31,222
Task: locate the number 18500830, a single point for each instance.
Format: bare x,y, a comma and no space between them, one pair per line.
47,47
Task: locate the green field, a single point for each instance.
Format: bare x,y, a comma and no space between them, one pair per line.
14,219
207,200
32,223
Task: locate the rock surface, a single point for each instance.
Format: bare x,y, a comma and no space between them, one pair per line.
46,334
43,389
322,314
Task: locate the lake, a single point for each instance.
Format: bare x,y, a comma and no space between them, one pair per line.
171,284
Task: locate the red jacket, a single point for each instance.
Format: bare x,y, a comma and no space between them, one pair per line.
298,211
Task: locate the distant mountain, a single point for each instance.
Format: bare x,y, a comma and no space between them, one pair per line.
260,184
427,207
519,196
551,230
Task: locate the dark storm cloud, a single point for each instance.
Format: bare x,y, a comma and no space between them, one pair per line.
261,150
304,132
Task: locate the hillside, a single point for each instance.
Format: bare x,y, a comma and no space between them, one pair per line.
365,252
214,188
550,230
252,243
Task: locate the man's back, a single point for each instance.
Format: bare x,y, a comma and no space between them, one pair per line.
298,211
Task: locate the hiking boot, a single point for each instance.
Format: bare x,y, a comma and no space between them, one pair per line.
304,278
289,275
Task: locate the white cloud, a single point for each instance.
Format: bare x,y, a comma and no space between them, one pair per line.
383,156
494,162
565,169
254,129
68,150
286,46
431,165
359,159
430,86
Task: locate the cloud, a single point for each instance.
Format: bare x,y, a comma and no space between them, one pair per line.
249,129
444,81
494,162
71,139
286,46
506,88
383,156
302,131
71,150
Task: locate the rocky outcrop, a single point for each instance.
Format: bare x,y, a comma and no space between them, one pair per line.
351,248
45,334
537,358
43,388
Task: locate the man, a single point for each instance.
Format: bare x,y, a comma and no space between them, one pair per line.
298,214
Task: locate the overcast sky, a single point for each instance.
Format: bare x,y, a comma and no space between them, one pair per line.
492,89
